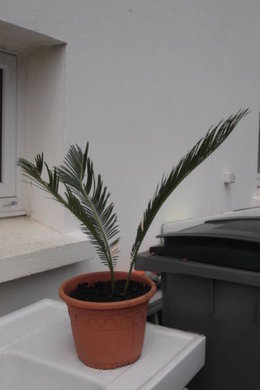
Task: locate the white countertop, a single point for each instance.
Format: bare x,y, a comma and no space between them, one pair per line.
37,352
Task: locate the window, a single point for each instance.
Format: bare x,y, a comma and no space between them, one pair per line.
33,95
8,96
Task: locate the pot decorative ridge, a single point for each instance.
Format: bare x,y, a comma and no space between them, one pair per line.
111,334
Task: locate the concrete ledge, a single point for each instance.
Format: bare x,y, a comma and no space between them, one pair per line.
28,247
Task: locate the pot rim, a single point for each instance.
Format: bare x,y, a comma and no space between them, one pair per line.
107,305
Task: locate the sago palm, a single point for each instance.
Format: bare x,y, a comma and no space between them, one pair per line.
89,200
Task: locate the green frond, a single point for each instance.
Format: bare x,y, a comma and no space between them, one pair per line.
78,174
85,196
39,162
214,138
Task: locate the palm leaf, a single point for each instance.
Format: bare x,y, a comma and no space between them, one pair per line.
85,196
207,145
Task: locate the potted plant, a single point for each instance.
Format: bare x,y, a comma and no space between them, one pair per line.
108,309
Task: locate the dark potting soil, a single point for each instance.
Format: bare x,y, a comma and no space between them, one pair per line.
101,291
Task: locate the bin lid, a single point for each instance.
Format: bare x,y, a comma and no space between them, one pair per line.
230,242
238,228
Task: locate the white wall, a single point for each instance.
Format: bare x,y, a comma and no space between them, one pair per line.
143,81
25,291
44,122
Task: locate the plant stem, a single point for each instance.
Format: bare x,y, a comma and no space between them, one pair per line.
129,276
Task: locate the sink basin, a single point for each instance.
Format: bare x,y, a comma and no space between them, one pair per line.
20,372
37,352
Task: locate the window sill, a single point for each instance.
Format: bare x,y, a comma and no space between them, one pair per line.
28,247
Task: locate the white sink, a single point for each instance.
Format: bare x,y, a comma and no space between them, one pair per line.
37,352
20,372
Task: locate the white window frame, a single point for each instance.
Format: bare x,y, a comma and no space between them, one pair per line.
8,62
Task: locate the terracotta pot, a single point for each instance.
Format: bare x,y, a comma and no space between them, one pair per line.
111,334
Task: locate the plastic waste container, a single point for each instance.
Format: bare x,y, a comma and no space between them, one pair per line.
211,285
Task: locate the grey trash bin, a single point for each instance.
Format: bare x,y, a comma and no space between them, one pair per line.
211,285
